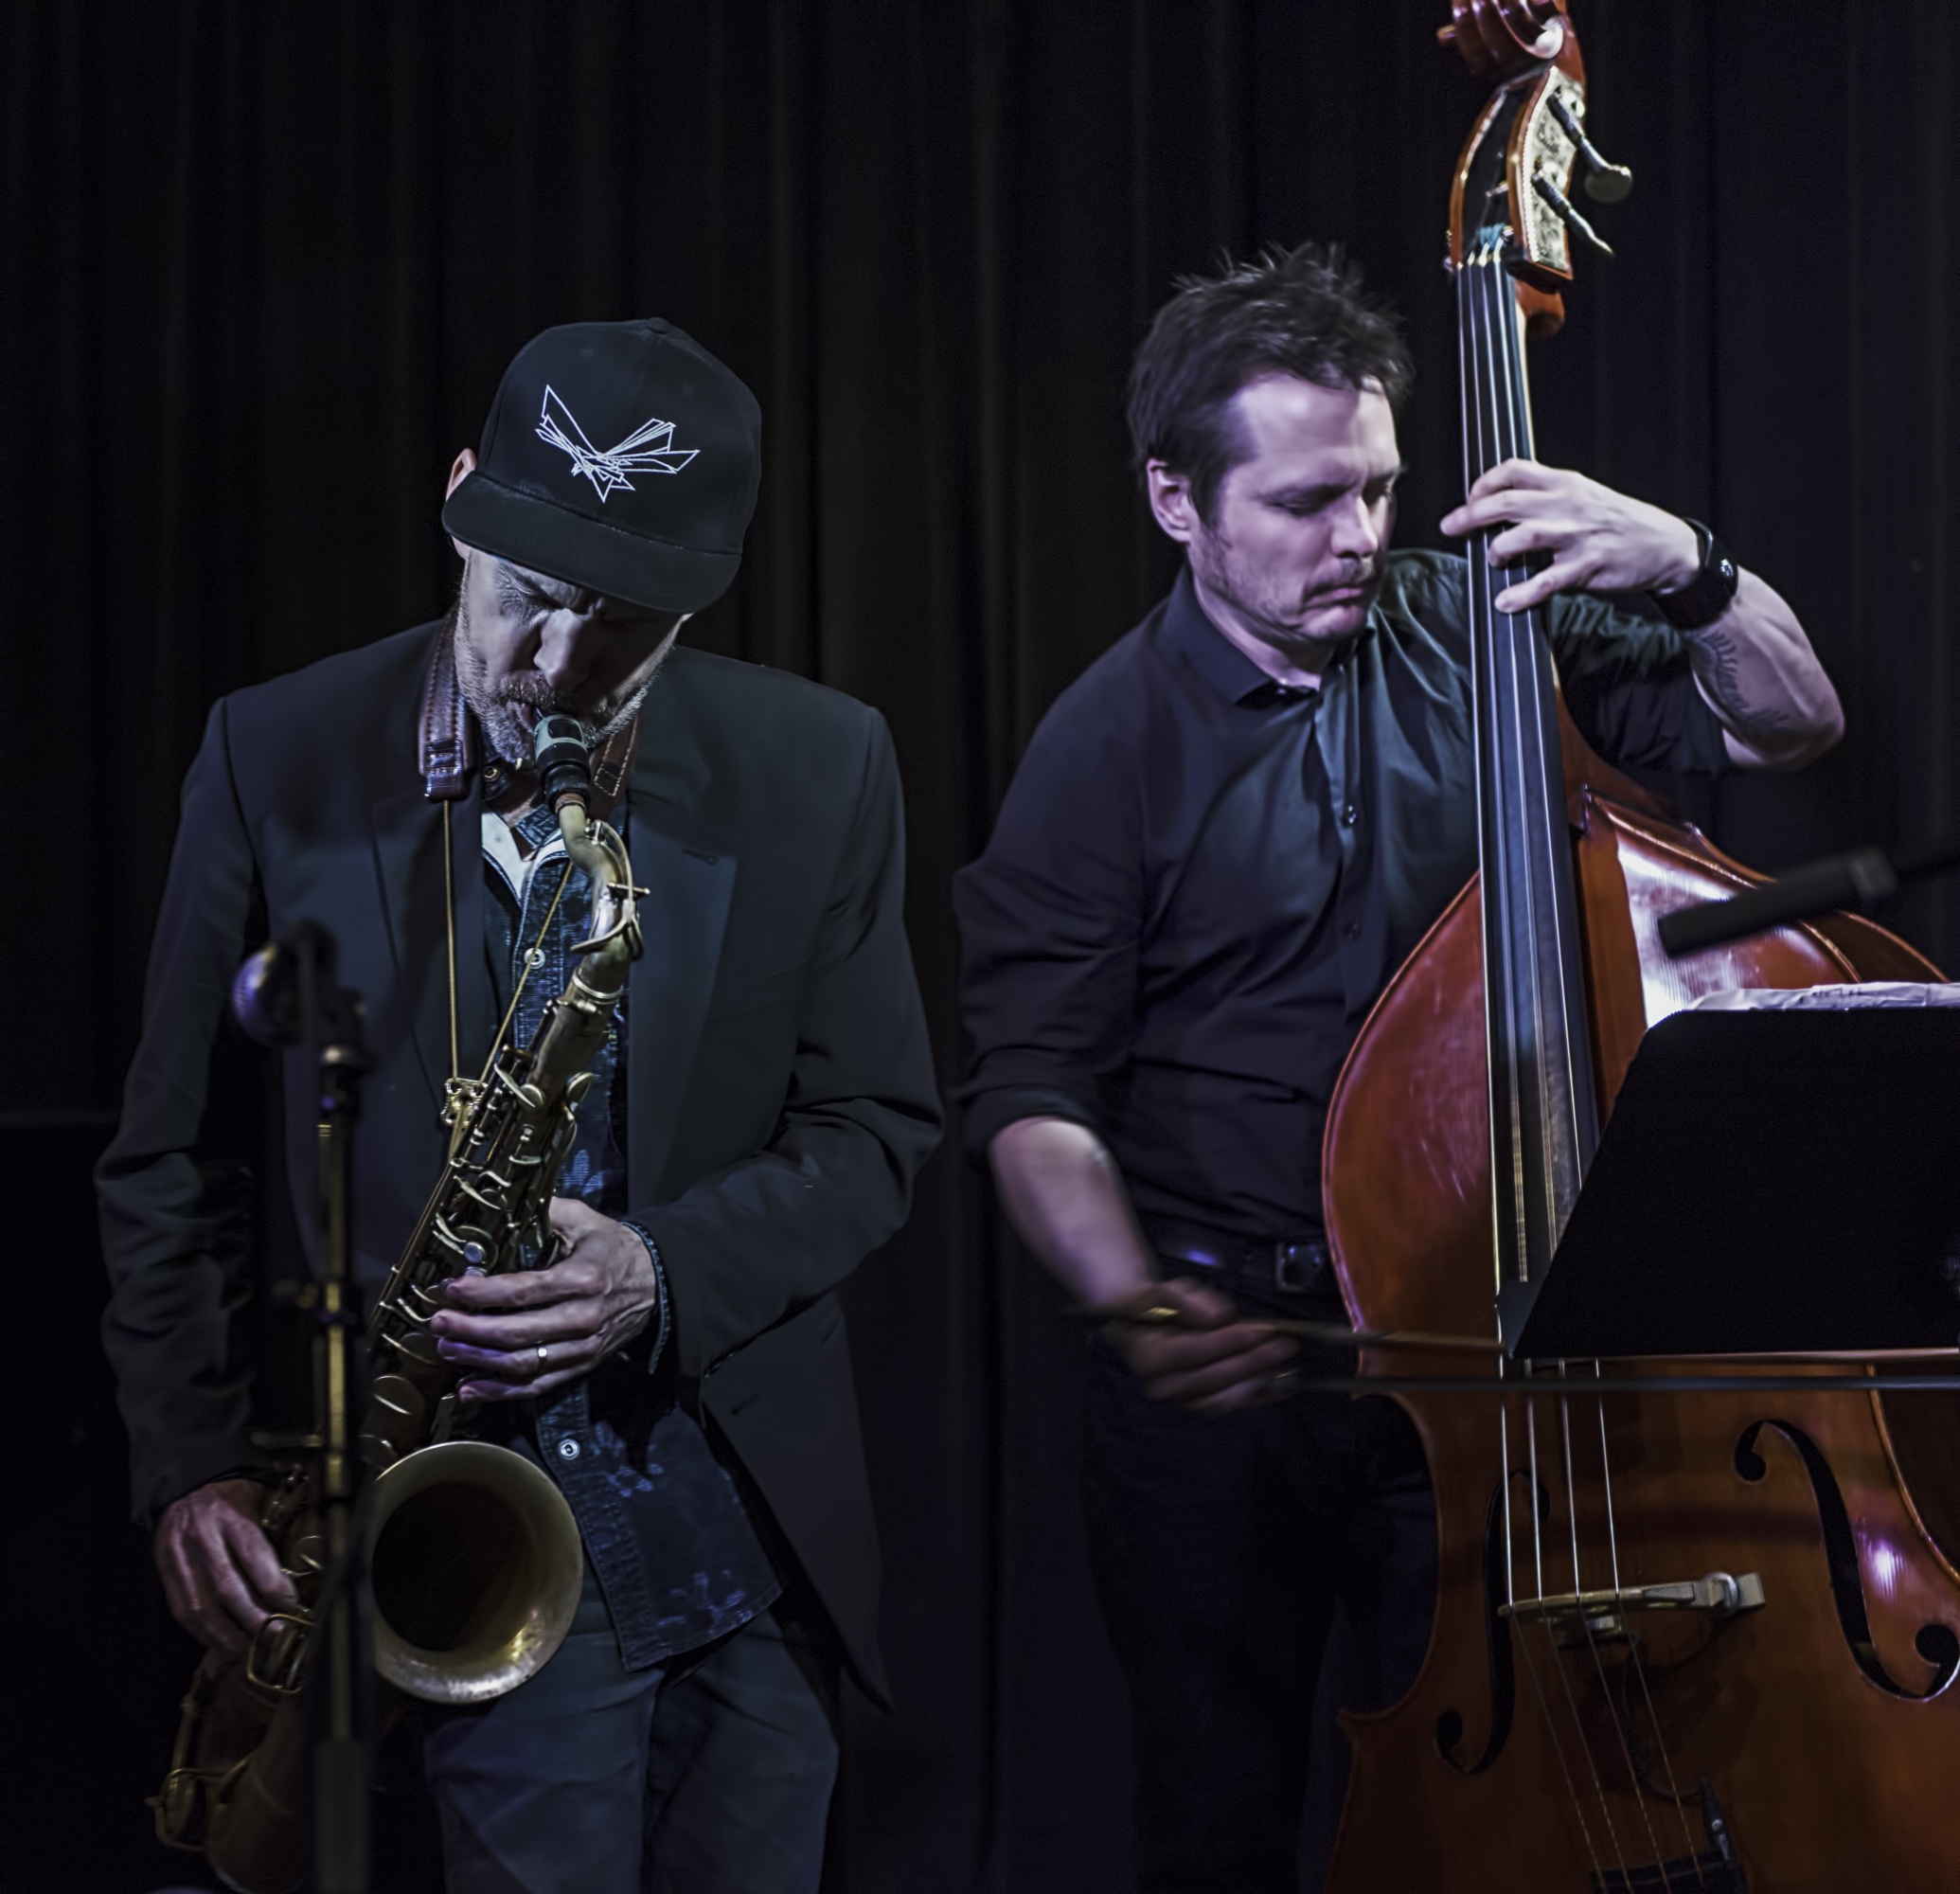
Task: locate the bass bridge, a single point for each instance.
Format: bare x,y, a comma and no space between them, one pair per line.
1601,1616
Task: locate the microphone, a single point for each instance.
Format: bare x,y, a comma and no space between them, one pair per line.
289,993
1857,881
265,996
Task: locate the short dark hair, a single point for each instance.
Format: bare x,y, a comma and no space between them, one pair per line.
1303,311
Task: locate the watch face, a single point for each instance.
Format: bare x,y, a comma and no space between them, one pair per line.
1708,594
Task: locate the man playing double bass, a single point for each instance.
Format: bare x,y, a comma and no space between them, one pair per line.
1224,838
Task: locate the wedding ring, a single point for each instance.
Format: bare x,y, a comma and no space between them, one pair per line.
541,1347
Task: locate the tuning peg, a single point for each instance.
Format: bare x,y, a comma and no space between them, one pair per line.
1569,213
1605,183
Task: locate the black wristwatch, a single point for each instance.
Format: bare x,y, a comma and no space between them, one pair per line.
1708,594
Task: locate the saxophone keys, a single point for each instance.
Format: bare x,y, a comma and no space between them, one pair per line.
392,1424
418,1347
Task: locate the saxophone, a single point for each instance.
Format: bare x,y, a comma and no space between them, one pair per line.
475,1562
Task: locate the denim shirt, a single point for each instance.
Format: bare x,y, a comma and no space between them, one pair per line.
665,1525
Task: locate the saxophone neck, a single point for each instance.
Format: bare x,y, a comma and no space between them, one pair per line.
614,942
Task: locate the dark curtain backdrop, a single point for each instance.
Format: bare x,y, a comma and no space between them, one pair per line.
263,267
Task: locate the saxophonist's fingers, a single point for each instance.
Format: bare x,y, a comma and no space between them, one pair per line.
521,1372
572,1218
517,1289
512,1334
219,1569
194,1602
254,1554
223,1611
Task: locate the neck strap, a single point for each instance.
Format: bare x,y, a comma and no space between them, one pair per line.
447,732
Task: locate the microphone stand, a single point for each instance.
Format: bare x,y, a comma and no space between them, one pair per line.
1862,880
290,993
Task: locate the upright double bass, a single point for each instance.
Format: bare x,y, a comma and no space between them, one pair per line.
1683,1640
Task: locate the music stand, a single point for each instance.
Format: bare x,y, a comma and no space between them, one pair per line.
1767,1182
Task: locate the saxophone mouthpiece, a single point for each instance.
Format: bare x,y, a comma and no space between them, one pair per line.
562,753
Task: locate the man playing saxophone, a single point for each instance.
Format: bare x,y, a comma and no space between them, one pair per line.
749,1133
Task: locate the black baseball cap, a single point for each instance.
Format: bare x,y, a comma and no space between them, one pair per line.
620,457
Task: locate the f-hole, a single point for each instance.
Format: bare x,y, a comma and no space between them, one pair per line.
1934,1642
1497,1644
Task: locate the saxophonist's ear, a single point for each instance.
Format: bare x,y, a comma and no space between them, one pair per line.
464,465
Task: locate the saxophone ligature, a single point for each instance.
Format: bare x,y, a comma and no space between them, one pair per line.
474,1557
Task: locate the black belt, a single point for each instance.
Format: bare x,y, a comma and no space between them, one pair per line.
1246,1265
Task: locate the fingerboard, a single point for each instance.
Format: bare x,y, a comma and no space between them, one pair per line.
1543,1115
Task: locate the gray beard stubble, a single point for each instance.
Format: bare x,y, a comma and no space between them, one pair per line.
502,729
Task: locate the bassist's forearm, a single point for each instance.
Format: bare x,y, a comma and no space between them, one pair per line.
1755,668
1065,1195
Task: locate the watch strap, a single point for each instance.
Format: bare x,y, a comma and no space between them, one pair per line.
1708,594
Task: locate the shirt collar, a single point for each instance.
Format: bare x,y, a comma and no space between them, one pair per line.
538,827
1217,660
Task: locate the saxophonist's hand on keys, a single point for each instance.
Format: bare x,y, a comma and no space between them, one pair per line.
219,1573
595,1298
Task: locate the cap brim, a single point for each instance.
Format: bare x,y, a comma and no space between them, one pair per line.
561,544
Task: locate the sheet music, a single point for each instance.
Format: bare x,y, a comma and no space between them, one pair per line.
1867,996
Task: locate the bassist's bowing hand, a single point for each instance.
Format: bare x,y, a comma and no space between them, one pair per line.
1211,1360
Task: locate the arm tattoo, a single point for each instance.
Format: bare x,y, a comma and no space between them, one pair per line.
1713,654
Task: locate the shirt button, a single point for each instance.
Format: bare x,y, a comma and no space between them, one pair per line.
568,1450
1349,816
1353,930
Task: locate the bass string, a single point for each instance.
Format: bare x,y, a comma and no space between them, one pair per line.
1540,787
1477,364
1516,773
1480,453
1532,778
1510,1592
1483,301
1585,1741
1620,1730
1504,319
1544,1709
1504,430
1635,1662
1517,759
1504,1487
1511,429
1476,321
1476,368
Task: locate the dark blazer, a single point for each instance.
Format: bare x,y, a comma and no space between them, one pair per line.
781,1085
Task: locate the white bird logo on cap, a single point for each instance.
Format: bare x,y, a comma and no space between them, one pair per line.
647,449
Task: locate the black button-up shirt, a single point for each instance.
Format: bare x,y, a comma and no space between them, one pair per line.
1202,879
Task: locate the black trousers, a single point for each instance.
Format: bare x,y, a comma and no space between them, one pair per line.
710,1776
1222,1548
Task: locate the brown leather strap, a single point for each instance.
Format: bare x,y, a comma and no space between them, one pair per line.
448,750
